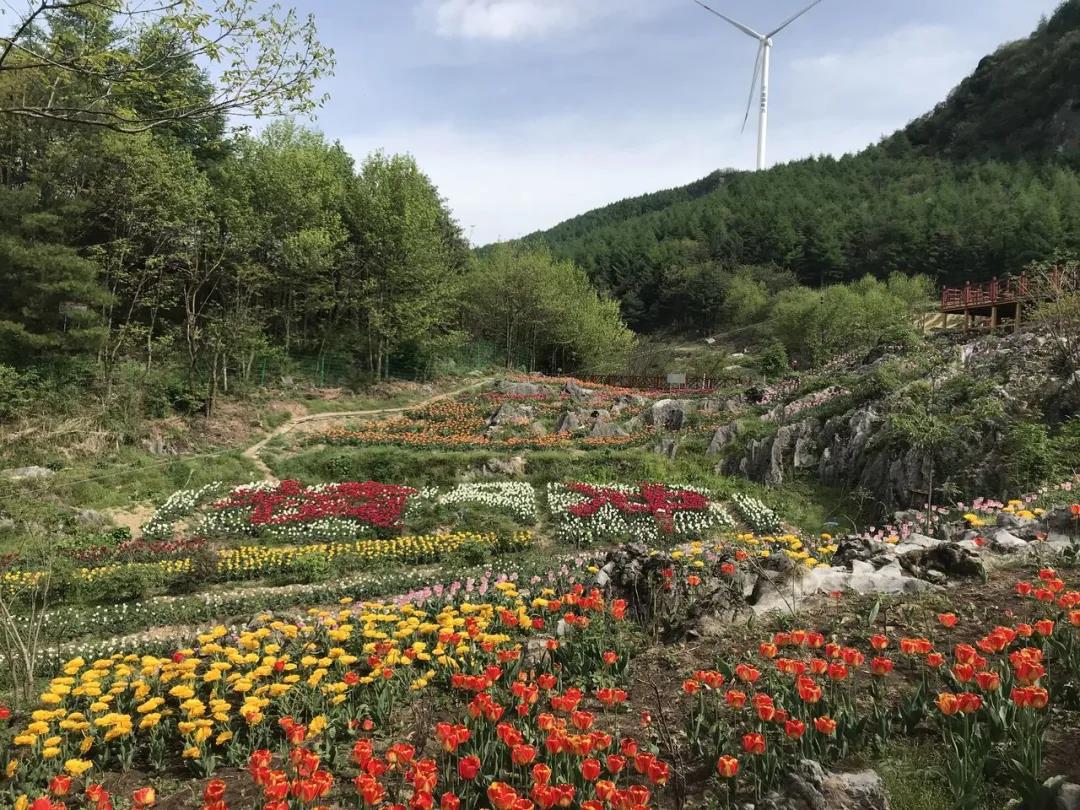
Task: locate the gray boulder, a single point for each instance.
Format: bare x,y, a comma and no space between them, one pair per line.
511,412
513,466
724,436
577,392
670,414
519,389
810,787
537,429
606,430
91,518
567,422
1005,542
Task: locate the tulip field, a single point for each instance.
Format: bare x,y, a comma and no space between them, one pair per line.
518,643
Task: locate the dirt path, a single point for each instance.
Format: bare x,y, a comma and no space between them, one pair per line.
252,453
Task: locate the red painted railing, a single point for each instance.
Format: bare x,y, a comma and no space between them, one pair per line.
970,296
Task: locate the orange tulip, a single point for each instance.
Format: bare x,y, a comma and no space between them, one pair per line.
947,619
144,797
727,766
948,703
825,725
881,666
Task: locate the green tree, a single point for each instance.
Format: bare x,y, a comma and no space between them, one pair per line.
543,313
115,63
406,251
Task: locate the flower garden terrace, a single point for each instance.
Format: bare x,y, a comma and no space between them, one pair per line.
532,414
329,690
541,691
278,531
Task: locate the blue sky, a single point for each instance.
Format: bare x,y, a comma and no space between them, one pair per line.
526,112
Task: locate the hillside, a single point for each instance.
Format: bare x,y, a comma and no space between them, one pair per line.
979,187
1022,101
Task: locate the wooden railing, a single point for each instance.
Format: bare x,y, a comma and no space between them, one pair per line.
655,383
989,293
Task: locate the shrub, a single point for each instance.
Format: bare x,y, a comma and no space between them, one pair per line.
774,361
122,583
1028,456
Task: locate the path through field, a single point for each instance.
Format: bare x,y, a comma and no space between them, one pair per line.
252,453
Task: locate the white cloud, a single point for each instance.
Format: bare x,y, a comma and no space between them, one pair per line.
917,64
505,179
510,19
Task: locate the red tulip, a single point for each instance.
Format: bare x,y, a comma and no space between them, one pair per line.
144,797
59,785
753,743
214,790
469,767
794,729
590,769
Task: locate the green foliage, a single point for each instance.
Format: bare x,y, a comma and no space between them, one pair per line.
1028,455
131,67
774,360
123,584
541,312
1011,106
816,325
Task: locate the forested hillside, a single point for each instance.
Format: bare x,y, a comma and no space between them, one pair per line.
951,206
147,243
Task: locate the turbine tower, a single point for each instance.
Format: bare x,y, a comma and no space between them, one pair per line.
764,54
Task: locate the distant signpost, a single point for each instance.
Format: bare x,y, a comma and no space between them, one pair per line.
676,379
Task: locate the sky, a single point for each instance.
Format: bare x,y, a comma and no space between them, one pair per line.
527,112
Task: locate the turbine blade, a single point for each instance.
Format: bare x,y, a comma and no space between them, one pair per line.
745,29
753,88
790,20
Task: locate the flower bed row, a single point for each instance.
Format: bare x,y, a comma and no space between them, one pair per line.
261,696
517,498
756,514
587,513
289,509
309,562
137,626
810,696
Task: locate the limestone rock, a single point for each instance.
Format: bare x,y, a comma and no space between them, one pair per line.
1068,797
567,422
670,414
811,788
602,430
91,518
509,412
537,429
576,392
1005,542
513,466
724,436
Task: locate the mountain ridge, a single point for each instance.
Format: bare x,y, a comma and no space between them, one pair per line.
978,186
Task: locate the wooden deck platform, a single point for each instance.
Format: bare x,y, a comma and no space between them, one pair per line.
992,303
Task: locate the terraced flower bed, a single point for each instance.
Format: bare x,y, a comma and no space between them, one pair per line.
650,512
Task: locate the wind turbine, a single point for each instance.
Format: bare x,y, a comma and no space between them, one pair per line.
761,63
